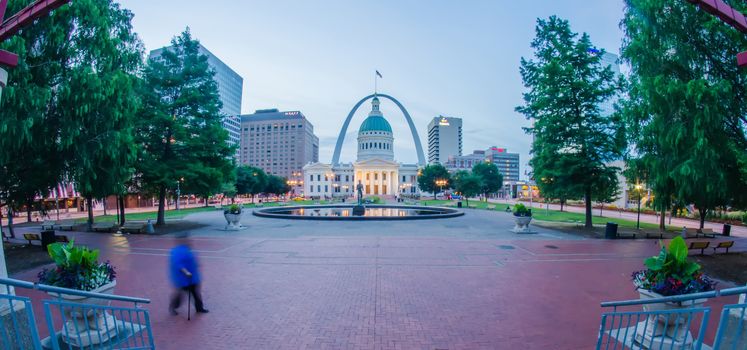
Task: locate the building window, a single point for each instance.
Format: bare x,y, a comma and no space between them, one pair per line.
318,177
383,176
404,178
347,178
311,177
368,176
326,188
318,188
376,176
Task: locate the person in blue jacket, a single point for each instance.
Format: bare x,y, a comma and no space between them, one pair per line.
185,275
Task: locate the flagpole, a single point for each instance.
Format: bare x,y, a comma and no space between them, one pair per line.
376,83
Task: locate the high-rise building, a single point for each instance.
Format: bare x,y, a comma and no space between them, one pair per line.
444,139
610,60
280,143
230,86
508,163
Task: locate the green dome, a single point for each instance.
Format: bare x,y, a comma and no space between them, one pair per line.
375,123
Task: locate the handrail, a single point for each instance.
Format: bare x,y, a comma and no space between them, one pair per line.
60,290
677,298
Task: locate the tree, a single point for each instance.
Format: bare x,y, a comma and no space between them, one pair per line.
491,177
566,82
428,176
180,125
276,185
250,180
97,98
468,184
606,189
229,190
686,105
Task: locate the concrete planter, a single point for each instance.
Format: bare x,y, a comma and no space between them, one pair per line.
665,331
522,224
233,220
84,329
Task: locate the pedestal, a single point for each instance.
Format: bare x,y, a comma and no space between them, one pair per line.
359,210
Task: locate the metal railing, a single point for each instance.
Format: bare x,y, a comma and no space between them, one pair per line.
74,319
668,323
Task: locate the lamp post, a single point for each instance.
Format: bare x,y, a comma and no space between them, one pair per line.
178,192
638,220
440,183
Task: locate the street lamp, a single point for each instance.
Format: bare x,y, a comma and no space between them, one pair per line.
638,221
440,183
178,192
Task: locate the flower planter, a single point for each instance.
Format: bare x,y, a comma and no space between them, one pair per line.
233,220
522,224
83,329
665,331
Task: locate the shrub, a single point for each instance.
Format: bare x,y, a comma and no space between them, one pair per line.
672,273
521,210
233,209
76,268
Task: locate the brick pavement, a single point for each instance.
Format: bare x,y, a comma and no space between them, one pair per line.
462,283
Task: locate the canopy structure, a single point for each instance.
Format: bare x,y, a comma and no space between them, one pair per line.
14,23
729,15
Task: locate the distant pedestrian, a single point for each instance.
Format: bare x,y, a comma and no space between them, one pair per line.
185,276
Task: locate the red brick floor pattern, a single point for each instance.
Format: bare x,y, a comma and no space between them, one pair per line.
380,292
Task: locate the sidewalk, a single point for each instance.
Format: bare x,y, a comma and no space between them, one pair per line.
738,231
75,214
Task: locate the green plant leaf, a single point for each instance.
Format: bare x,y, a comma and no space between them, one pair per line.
678,249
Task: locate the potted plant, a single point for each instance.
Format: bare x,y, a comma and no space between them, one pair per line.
78,268
669,273
233,217
522,218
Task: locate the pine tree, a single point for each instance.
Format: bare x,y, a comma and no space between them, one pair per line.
573,140
180,125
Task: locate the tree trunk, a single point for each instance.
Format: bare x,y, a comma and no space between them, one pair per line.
103,202
28,211
89,203
703,213
206,202
601,207
587,199
160,219
562,202
10,222
121,210
662,222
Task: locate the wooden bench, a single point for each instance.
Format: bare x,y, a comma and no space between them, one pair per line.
654,234
699,245
706,232
65,225
104,226
62,239
133,226
48,225
690,232
490,207
31,237
629,235
725,245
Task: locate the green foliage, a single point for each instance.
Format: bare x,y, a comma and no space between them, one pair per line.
250,180
76,267
468,184
686,111
521,210
276,185
233,209
672,273
491,177
574,139
428,176
180,125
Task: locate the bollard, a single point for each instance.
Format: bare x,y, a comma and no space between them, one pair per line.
149,228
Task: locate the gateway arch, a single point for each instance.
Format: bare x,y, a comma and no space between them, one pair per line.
344,130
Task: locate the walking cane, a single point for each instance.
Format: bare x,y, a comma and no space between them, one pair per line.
189,301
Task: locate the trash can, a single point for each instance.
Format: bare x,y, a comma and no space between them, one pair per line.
610,231
47,238
727,230
459,204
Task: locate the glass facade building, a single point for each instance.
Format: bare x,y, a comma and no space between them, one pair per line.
230,88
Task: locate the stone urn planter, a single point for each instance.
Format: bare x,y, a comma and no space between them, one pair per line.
665,331
233,220
85,327
522,224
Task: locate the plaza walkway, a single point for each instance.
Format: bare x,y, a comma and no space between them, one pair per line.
461,283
